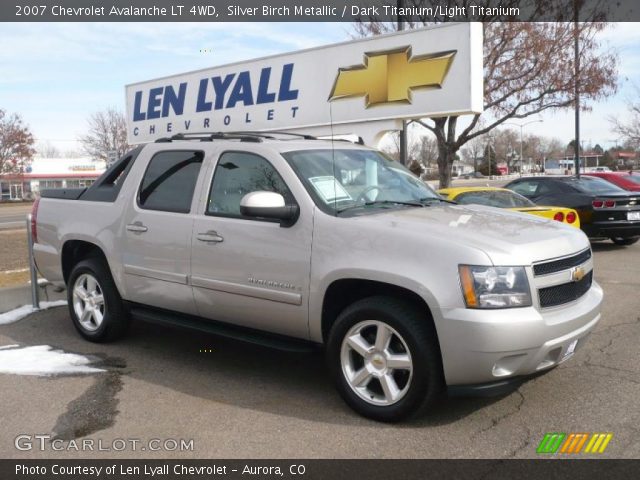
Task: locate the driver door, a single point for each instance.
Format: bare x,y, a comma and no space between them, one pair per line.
247,271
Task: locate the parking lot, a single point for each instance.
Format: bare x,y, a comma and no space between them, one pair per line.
236,400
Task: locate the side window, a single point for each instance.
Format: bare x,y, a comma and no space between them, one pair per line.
526,188
237,174
170,180
544,188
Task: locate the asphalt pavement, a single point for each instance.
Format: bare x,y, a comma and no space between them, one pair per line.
240,401
14,216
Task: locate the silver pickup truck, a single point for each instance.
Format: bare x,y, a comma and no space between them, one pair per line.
293,241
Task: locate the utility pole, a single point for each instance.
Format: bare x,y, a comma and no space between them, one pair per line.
403,131
521,126
576,84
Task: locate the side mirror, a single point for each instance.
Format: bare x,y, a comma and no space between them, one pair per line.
263,204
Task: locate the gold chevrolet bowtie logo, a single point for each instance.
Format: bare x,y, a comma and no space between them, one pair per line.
577,274
388,77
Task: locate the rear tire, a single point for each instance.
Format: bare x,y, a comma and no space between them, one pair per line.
385,359
624,241
95,305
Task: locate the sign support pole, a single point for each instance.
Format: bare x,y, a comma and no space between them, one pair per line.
403,132
35,300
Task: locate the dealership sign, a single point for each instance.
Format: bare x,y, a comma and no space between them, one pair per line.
418,73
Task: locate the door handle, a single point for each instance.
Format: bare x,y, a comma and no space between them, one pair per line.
136,227
210,237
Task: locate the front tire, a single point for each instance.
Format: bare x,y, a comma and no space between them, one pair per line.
95,305
623,242
384,357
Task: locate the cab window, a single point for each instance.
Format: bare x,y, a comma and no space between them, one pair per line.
240,173
170,180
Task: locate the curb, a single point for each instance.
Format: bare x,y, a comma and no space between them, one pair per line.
14,297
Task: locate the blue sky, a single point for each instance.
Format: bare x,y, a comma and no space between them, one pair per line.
56,74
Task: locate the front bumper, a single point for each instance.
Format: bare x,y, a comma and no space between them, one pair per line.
491,389
487,346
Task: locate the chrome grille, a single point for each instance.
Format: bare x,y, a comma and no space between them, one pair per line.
562,264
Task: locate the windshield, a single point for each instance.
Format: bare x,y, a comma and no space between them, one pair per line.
593,185
348,179
494,198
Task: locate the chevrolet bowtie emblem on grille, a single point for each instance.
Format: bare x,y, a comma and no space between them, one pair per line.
577,274
389,77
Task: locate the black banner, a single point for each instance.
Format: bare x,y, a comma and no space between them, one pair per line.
316,10
317,469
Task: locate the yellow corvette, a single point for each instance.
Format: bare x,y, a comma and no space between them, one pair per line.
503,198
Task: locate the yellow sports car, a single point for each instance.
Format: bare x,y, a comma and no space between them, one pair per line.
503,198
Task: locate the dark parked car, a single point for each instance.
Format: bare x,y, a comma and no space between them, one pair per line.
625,180
467,176
605,210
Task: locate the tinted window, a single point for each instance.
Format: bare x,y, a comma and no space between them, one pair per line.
532,188
170,181
240,173
526,188
592,185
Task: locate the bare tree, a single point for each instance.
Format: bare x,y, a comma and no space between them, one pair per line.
16,144
473,151
552,147
48,150
107,132
426,151
629,130
528,69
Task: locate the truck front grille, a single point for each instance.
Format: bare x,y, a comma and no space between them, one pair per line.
565,293
562,264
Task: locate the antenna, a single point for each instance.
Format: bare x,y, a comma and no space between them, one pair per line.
333,162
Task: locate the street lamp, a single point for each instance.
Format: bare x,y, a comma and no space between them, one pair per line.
521,139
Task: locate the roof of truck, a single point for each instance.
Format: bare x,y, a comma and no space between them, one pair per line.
282,141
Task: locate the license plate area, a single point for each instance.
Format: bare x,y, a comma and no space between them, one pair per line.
633,216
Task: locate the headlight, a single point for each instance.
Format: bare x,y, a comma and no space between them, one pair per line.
494,287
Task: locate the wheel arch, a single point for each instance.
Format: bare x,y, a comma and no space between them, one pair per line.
75,251
341,293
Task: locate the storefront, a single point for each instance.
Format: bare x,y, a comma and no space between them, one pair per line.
49,173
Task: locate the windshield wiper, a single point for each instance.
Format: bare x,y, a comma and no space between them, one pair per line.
428,200
381,202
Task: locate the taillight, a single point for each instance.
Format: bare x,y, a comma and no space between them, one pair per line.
558,217
571,217
603,203
34,221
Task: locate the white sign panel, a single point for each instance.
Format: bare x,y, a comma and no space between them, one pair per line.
418,73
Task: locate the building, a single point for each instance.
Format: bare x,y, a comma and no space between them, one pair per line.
49,173
564,165
624,160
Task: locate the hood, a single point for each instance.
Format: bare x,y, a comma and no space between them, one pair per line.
507,237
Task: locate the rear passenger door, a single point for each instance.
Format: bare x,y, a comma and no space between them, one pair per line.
158,228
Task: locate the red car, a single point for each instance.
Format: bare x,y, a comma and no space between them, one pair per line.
626,180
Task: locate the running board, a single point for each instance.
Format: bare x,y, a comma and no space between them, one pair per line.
248,335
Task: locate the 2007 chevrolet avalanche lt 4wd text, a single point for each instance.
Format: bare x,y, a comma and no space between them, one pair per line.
273,237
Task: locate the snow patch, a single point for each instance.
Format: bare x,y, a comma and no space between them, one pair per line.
42,360
26,310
